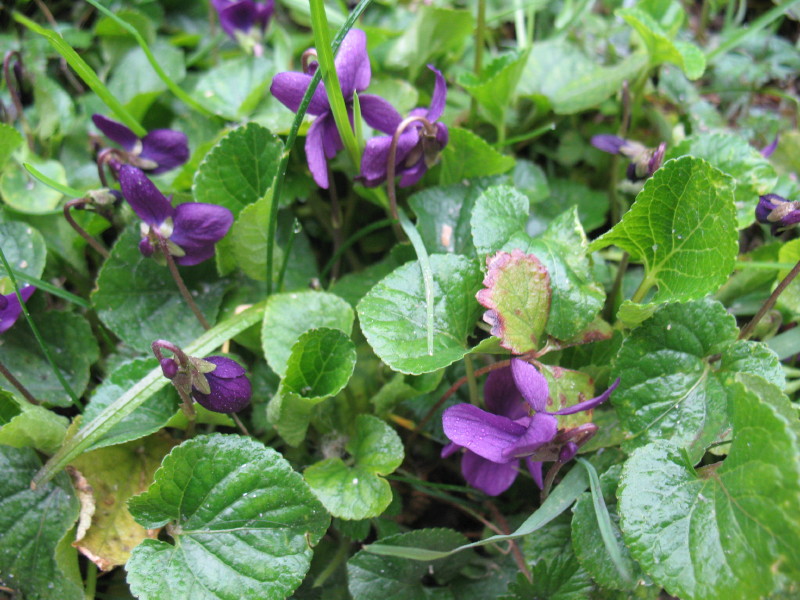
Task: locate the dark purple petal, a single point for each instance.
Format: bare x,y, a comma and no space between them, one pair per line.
541,430
501,395
236,16
315,153
145,199
12,309
331,141
165,147
531,384
227,368
264,12
588,404
376,155
769,150
146,247
290,87
439,95
488,476
412,175
116,132
450,449
766,204
228,394
608,143
196,228
568,452
379,114
535,469
485,434
442,135
352,64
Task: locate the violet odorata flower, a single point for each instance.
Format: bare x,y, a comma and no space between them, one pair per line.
418,147
353,70
190,229
778,212
644,161
230,389
245,21
10,308
495,441
159,151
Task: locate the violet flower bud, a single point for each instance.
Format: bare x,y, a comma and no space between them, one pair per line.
159,151
169,367
644,161
778,212
230,389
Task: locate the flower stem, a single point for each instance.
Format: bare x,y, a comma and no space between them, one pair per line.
747,330
16,96
272,222
239,424
173,269
45,349
79,203
187,406
90,585
18,384
642,290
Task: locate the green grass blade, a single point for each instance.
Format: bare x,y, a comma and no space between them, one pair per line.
173,87
85,72
52,289
52,183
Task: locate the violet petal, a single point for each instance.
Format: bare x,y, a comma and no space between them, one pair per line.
144,197
488,476
588,404
196,228
502,396
352,64
376,155
379,114
535,469
484,433
531,383
412,175
315,153
166,147
541,430
608,143
228,394
236,16
12,309
449,450
116,132
289,88
439,96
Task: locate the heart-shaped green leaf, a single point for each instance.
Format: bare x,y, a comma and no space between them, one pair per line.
242,521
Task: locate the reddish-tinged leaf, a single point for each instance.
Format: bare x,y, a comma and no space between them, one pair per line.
517,294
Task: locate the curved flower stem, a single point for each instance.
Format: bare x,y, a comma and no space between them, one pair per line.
104,157
40,340
550,478
16,96
187,406
181,382
173,269
80,203
18,384
158,345
747,330
391,168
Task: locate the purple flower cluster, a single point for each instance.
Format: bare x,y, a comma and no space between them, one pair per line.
778,212
417,148
190,229
496,440
644,161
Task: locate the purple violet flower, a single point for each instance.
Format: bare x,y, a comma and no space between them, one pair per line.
498,439
769,150
245,21
10,308
417,149
323,140
644,161
191,229
159,151
230,389
778,212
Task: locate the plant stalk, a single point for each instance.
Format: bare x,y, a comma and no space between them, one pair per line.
80,203
18,384
187,296
747,330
